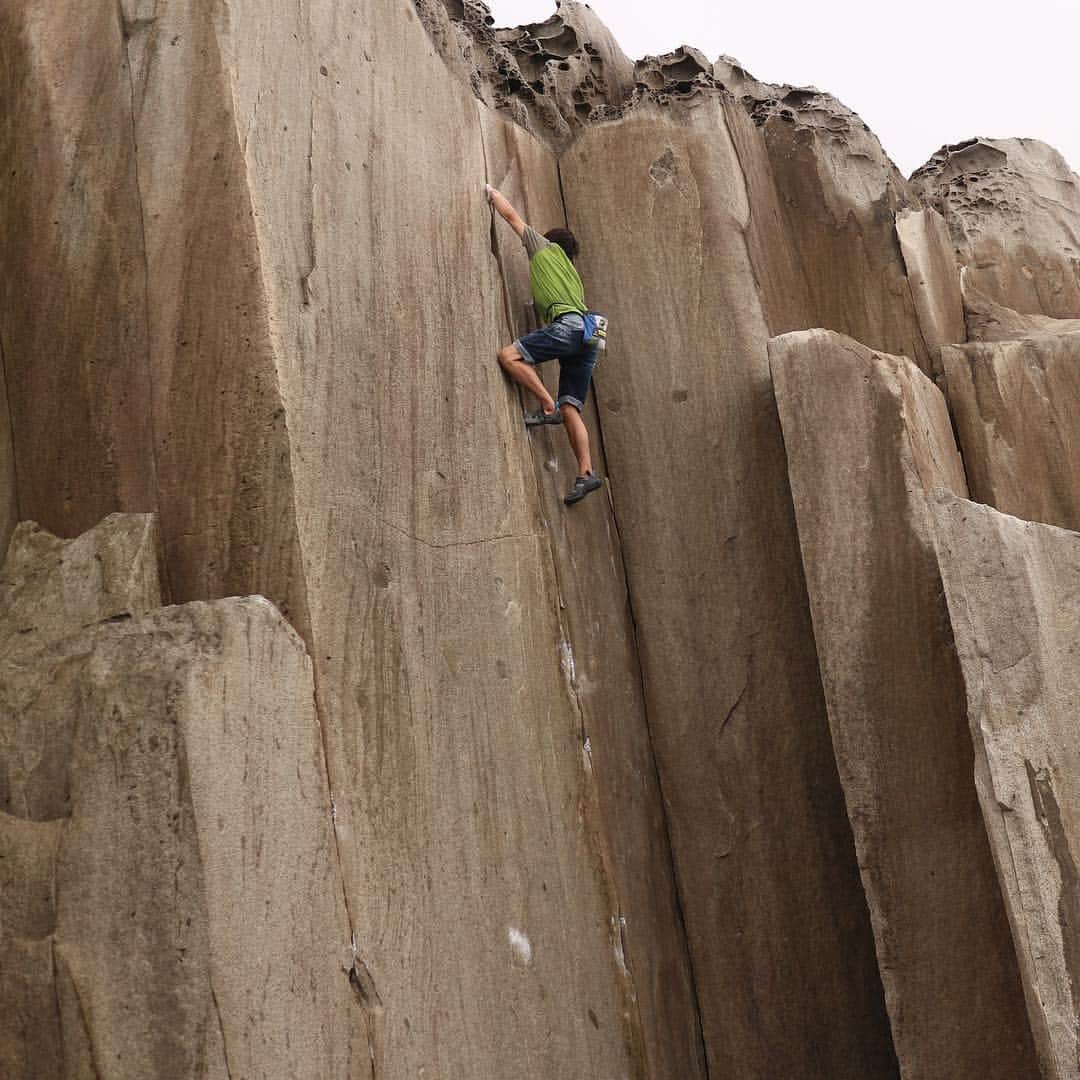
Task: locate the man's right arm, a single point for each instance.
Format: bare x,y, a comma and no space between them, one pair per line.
505,210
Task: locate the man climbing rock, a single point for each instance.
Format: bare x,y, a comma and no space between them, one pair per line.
560,302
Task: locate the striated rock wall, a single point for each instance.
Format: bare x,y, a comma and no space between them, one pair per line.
778,931
1015,404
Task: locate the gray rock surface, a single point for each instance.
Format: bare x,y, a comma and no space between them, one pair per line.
1013,209
601,662
1017,409
868,444
1012,592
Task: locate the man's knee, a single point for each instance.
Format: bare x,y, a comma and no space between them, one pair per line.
508,355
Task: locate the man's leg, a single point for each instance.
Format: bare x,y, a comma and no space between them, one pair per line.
578,434
524,374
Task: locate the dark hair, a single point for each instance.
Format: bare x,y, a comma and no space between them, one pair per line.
565,239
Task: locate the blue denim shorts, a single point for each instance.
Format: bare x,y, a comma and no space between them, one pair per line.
561,340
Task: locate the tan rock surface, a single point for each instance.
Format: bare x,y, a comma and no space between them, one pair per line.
839,196
170,899
200,916
778,930
1012,592
868,442
139,362
1017,409
990,321
934,279
50,592
1013,209
465,819
601,660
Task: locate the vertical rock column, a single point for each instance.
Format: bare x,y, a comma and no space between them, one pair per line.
1017,408
1013,589
171,901
868,442
601,656
779,933
468,835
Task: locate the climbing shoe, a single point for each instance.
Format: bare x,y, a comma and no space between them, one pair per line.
582,486
540,418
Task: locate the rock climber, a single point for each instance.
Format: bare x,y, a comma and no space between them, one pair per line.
560,302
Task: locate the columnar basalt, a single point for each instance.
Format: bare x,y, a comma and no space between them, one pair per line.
868,446
172,904
538,792
1012,589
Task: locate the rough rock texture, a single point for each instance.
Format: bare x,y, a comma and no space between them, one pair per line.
171,905
868,443
139,274
549,77
1012,589
778,930
9,508
50,591
1016,405
1013,209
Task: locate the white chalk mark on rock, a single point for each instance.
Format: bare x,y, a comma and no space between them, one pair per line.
521,947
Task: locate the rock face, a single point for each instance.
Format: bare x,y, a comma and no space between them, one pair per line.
556,791
868,444
549,77
171,905
935,286
1016,406
761,845
989,321
1013,208
1011,588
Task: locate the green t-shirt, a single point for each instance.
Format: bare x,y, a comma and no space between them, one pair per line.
556,286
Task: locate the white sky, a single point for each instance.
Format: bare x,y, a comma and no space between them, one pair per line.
921,73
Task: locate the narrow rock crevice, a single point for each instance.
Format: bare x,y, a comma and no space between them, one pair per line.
370,1002
126,27
221,1029
11,437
